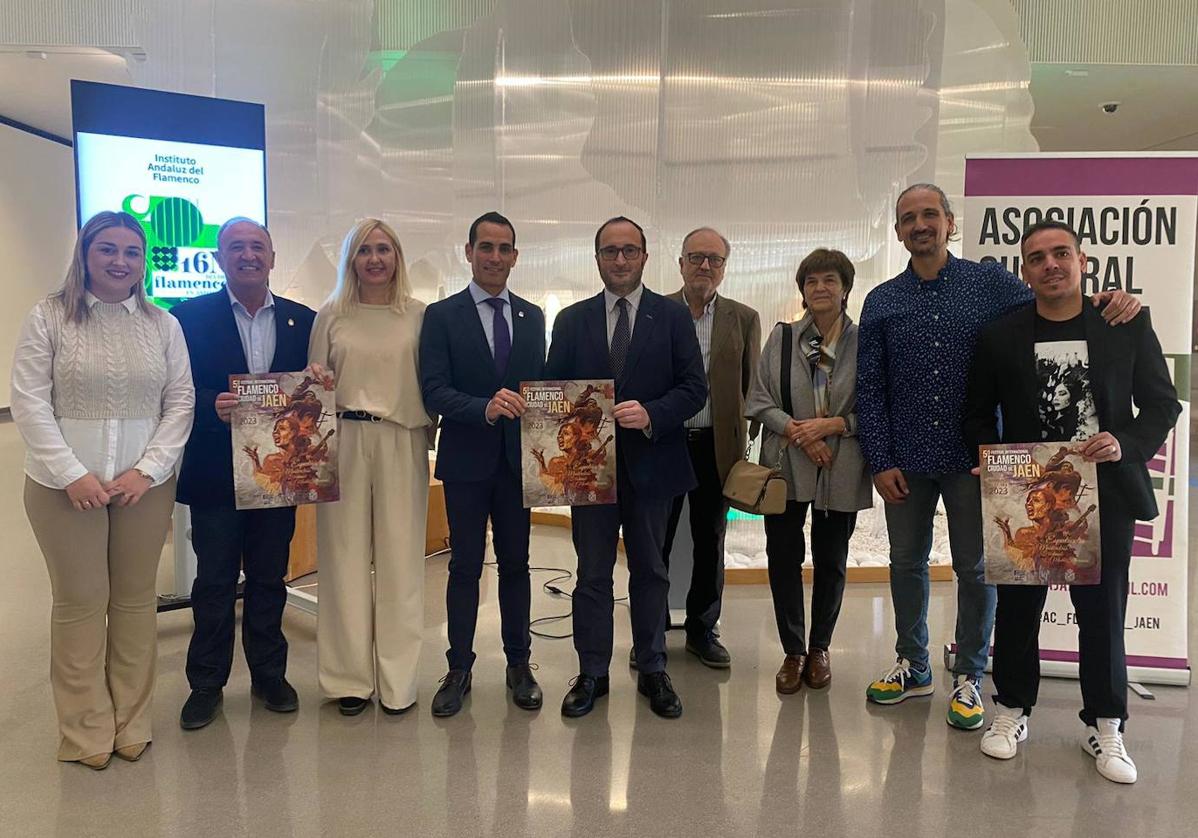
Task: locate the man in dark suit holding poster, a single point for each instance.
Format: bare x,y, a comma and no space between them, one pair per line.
648,345
1019,366
475,349
241,328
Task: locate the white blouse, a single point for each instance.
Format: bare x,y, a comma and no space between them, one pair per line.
60,450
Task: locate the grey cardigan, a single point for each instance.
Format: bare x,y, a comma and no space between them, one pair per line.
844,486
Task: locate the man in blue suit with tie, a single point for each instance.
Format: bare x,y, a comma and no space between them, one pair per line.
475,349
648,345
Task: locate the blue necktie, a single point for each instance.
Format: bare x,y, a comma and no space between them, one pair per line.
500,334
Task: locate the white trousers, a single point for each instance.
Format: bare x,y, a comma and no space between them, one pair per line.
369,631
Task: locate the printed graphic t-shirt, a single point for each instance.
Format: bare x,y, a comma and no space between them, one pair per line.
1066,403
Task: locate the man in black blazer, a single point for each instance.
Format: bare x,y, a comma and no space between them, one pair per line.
648,345
1019,367
475,349
241,328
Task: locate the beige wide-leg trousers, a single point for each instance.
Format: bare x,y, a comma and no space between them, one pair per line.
368,632
103,566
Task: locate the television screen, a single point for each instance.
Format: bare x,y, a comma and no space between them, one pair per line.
182,165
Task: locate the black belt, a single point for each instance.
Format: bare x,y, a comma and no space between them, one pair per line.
360,416
699,433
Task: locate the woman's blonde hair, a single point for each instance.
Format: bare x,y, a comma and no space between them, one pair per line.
345,294
74,288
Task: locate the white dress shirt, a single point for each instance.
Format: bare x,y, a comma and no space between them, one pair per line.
60,450
703,325
257,332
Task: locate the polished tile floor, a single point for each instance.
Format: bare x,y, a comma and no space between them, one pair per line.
741,760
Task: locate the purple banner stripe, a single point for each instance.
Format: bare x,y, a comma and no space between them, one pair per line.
1132,660
1035,176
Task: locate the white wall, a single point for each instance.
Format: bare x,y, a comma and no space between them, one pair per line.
37,230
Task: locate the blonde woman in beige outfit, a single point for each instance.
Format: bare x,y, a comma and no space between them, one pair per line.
102,396
367,334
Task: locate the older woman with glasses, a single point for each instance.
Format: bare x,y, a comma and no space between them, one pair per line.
102,396
810,432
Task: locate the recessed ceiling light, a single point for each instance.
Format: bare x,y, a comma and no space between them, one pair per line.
1077,74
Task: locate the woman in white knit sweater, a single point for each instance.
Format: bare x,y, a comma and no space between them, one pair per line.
102,395
367,333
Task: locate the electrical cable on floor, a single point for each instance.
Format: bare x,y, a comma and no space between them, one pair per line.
551,588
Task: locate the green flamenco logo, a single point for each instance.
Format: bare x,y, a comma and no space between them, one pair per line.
171,224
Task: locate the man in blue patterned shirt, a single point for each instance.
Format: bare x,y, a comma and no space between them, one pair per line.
916,341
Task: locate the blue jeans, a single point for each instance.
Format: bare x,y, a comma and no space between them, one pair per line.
910,526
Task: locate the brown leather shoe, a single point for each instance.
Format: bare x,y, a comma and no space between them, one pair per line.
818,673
790,677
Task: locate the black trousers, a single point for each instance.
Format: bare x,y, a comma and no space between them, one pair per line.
1101,610
468,505
596,531
227,541
708,523
784,549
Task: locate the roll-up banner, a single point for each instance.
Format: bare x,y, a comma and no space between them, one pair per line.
1136,216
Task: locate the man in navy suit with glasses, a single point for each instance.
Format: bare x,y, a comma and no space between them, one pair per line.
647,344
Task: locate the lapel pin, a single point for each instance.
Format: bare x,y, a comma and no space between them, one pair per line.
290,322
519,314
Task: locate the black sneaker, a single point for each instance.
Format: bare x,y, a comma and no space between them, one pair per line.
200,709
708,649
278,696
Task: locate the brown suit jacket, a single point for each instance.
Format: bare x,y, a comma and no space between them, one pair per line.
735,347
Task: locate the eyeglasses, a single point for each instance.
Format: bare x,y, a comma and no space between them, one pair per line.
630,251
712,259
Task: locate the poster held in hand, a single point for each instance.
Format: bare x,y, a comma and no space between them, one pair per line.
1040,514
568,442
284,439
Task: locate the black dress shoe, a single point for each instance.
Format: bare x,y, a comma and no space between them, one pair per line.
660,692
581,698
396,711
454,686
351,705
526,692
200,709
278,696
709,650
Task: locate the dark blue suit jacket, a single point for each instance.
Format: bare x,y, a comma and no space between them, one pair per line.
663,371
458,378
214,345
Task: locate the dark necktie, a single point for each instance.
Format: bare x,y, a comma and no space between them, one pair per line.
500,334
620,339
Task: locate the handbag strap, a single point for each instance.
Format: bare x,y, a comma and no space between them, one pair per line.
787,349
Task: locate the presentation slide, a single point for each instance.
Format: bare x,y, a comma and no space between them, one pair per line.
182,165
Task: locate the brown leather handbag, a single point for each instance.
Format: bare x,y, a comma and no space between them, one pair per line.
754,488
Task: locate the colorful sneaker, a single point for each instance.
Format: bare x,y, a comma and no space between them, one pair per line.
902,682
965,710
1105,744
1008,729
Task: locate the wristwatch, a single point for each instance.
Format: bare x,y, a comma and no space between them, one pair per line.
143,474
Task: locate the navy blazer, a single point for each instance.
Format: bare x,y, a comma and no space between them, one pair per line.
214,345
663,371
458,378
1126,365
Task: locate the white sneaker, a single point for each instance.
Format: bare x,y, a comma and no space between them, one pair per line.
1008,729
1105,744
